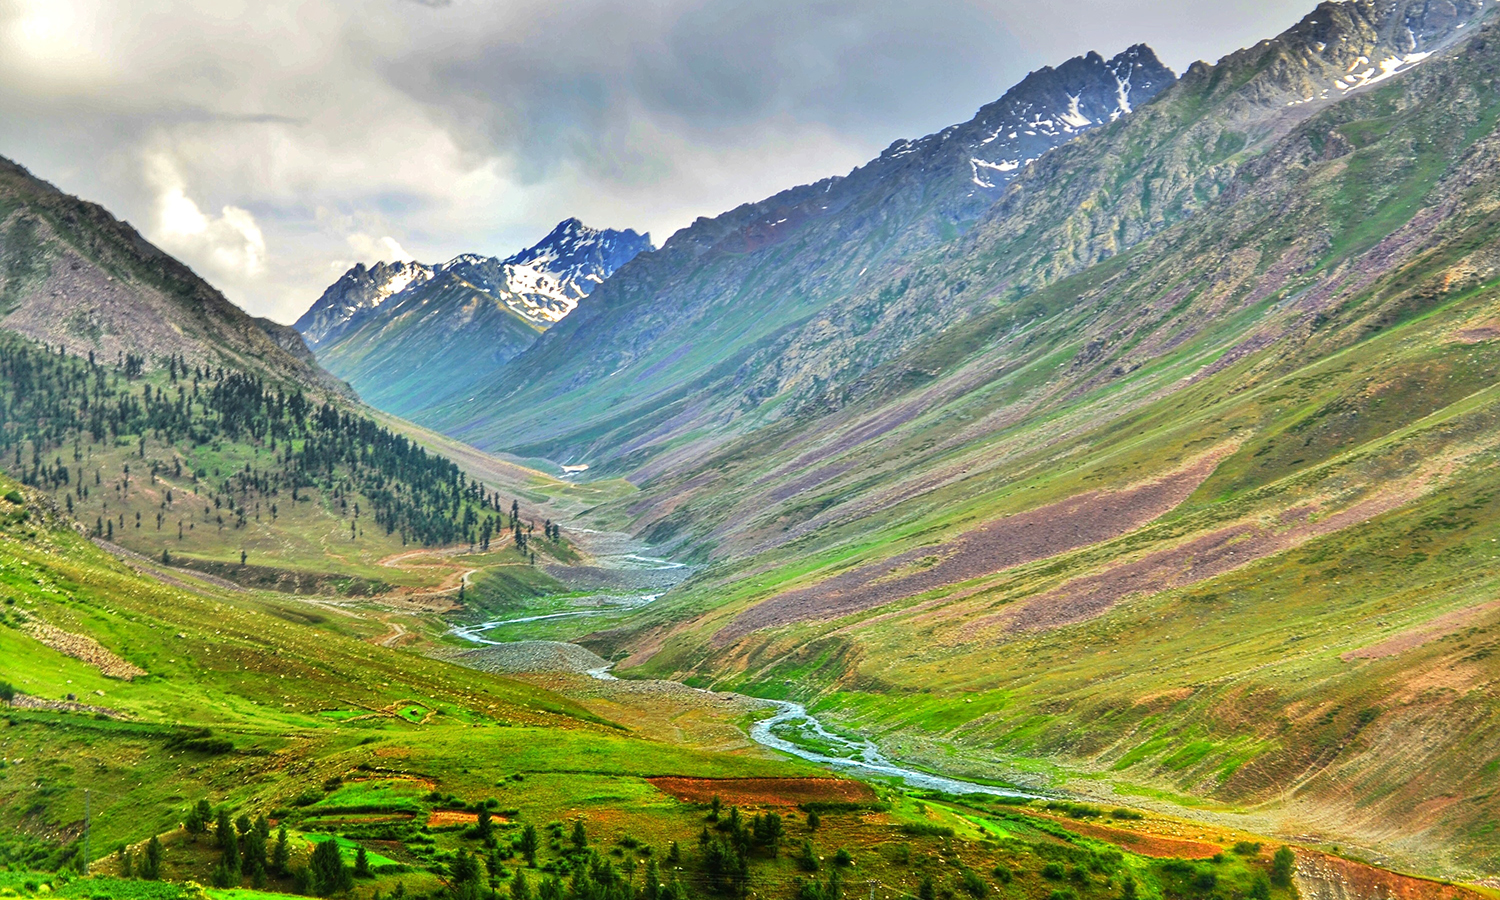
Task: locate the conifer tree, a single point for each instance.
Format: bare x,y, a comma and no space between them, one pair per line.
150,867
326,872
281,855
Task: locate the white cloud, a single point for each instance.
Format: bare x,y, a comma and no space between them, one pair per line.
227,246
372,250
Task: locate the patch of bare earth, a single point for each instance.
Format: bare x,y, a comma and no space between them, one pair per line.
1425,633
85,649
1323,877
765,791
1141,842
443,818
1005,543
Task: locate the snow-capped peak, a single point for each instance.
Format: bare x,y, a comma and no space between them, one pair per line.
356,294
541,284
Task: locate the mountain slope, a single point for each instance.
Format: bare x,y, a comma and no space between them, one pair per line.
683,319
408,336
632,383
1212,517
72,275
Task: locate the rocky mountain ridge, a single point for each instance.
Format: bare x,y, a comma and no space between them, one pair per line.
74,276
840,286
669,320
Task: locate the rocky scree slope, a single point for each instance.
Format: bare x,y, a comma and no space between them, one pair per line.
682,321
72,275
407,335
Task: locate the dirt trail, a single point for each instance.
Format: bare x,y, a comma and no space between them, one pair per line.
182,578
398,631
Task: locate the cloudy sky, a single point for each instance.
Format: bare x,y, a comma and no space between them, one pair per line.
272,143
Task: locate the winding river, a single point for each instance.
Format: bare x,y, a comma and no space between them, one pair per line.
854,756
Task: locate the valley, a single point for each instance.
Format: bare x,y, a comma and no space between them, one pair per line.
1093,500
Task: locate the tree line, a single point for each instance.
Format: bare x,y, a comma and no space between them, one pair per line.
52,404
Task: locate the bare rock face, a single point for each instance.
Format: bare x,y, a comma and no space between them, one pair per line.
359,292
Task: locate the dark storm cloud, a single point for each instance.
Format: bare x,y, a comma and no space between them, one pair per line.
270,143
568,78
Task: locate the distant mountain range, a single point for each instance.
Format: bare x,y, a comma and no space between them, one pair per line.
712,308
1138,436
1167,452
405,334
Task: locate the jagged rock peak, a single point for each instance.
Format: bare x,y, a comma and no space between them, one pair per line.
1048,107
1342,46
355,294
574,252
541,284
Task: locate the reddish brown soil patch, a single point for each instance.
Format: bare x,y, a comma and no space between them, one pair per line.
1478,334
442,818
765,791
1153,845
1425,633
1025,537
1323,877
1197,560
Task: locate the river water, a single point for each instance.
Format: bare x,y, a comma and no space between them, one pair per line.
854,756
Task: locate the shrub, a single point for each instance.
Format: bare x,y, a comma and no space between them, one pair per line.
843,859
1052,871
973,885
1247,848
1282,865
1260,889
1003,874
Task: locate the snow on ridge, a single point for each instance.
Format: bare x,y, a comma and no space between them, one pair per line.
1074,118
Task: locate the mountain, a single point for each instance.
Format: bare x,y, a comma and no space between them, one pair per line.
354,295
1172,476
74,276
406,335
683,322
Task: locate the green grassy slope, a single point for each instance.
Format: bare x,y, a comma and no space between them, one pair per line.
337,739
